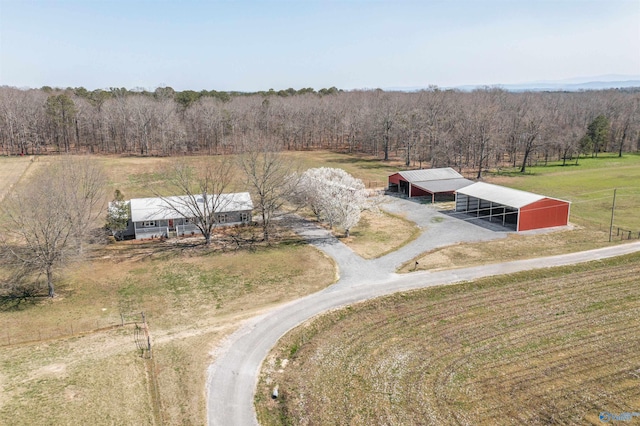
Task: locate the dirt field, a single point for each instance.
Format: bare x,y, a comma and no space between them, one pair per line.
554,346
11,170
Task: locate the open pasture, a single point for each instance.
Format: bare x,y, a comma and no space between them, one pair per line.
64,356
589,186
11,170
191,298
555,346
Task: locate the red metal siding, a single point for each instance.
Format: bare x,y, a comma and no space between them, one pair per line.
395,178
418,192
544,214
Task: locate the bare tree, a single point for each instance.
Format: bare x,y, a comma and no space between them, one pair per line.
532,127
387,110
84,193
38,233
271,177
61,111
375,122
624,112
199,192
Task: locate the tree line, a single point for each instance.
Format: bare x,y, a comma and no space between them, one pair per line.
471,130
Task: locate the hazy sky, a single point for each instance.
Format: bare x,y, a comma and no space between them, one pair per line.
257,45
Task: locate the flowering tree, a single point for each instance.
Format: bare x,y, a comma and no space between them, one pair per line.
333,195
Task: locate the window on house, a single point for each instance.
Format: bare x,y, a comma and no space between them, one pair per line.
222,218
244,217
149,224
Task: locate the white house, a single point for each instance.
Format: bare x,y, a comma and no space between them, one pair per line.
173,216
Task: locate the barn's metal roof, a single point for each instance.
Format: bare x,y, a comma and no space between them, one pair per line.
425,175
444,185
501,195
144,209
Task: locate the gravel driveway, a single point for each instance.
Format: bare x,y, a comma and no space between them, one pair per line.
233,375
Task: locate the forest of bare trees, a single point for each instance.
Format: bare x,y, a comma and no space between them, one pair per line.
472,130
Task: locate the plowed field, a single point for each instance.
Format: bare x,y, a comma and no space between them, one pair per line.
554,346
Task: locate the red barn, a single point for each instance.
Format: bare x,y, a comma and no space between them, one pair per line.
435,183
510,206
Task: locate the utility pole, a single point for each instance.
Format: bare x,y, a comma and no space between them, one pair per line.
613,207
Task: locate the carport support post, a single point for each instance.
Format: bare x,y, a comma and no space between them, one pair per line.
613,207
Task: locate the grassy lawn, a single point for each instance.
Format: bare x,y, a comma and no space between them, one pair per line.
133,175
372,171
554,346
380,233
192,298
79,370
11,171
589,186
514,247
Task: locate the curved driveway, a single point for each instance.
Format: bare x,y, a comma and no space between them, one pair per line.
233,375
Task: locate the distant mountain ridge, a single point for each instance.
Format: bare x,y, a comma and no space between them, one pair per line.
560,87
612,81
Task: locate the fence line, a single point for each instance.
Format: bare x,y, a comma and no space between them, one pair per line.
626,234
63,331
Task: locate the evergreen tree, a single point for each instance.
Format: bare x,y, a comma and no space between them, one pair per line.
118,215
598,132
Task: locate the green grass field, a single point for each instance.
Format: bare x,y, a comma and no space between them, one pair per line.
589,186
554,346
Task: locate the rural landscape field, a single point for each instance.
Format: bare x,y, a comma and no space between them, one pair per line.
555,346
71,356
232,213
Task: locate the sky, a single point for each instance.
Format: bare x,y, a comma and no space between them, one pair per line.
350,44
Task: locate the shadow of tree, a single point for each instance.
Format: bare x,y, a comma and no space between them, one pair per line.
19,297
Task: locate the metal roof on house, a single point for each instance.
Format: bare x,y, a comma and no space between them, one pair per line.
444,185
424,175
145,209
501,194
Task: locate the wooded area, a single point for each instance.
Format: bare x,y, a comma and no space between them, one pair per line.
471,130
